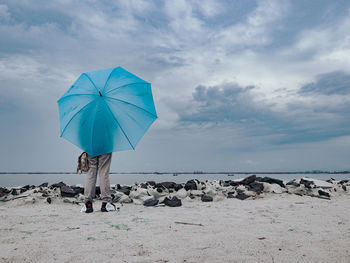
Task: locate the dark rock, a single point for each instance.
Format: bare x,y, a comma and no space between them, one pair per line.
159,185
272,181
171,191
234,183
144,186
307,183
151,202
174,202
192,196
4,191
206,198
22,190
124,190
240,191
248,180
191,185
293,183
151,183
67,191
159,190
44,193
117,187
226,183
14,192
230,195
177,187
48,200
78,189
344,187
26,187
44,185
343,181
242,196
256,187
324,193
58,185
168,185
202,186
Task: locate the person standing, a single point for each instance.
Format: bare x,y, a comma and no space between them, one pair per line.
98,165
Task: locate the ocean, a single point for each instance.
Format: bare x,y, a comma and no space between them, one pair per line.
10,180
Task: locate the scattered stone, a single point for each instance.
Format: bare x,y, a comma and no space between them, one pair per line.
168,185
206,198
230,195
248,180
319,183
22,190
242,196
343,181
173,202
67,191
58,185
124,190
151,183
226,183
144,186
151,202
78,189
344,187
256,187
234,183
271,181
177,187
48,200
191,185
324,193
14,192
307,183
293,183
44,185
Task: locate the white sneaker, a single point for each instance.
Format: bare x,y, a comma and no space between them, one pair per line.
87,208
107,207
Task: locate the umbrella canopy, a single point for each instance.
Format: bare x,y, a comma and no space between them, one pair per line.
106,111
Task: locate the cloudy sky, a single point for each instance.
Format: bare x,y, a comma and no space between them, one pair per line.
238,85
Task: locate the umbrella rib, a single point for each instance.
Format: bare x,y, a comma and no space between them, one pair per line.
125,86
91,81
110,74
75,114
133,105
120,126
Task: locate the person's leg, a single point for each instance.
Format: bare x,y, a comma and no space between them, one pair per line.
91,176
104,164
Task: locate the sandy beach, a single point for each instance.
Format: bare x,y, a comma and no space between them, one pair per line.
271,228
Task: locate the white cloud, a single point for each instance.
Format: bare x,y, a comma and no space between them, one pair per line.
258,26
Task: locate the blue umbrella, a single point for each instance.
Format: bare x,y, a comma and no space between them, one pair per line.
106,111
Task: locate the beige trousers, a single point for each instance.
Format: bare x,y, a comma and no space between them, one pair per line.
102,164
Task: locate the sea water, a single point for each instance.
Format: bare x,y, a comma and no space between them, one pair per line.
9,180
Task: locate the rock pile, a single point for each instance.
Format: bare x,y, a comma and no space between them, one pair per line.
172,194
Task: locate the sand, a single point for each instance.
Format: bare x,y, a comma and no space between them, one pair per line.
275,228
